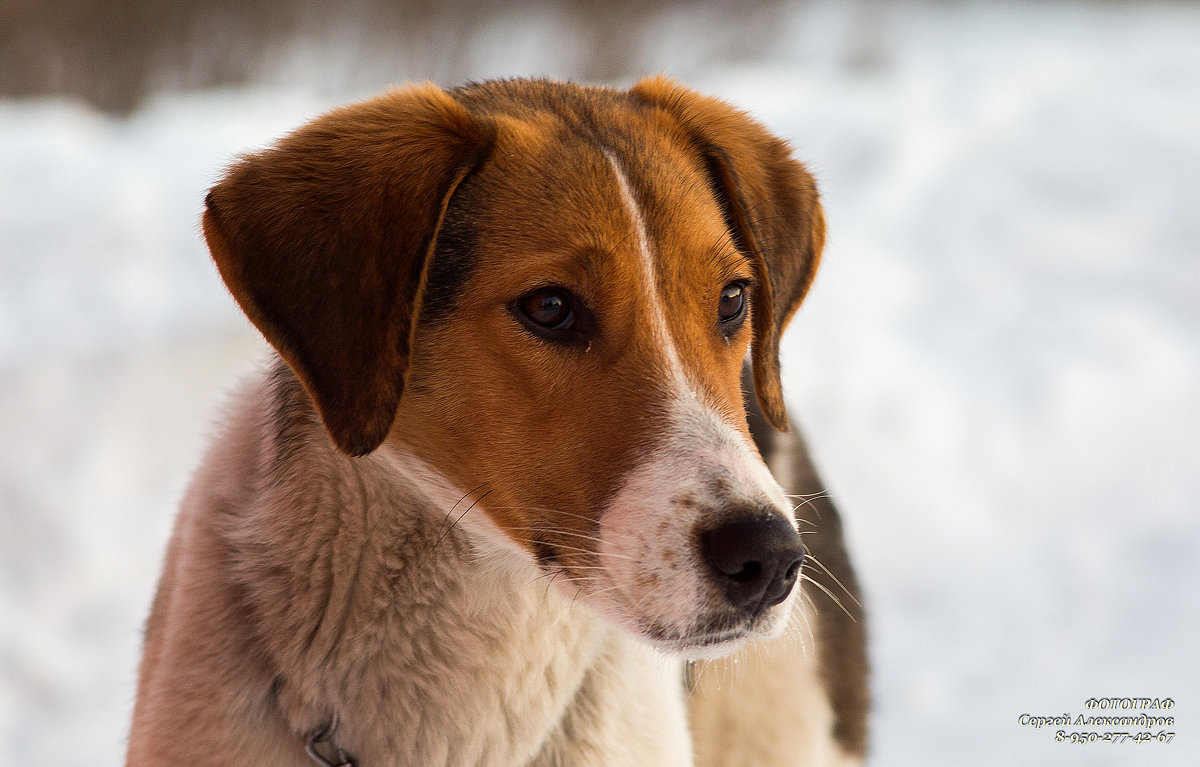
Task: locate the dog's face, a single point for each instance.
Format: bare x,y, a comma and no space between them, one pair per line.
555,325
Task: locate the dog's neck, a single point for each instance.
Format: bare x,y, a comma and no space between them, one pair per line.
383,614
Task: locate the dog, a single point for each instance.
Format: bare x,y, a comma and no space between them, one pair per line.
505,495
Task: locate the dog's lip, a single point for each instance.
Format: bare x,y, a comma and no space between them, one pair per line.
701,645
712,640
702,638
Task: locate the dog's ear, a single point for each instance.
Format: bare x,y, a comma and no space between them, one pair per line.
324,240
772,208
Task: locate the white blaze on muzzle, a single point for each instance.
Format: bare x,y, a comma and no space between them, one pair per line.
654,579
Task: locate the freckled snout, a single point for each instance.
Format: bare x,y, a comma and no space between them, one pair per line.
754,561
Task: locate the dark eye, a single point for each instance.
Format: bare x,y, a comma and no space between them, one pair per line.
732,306
555,314
550,308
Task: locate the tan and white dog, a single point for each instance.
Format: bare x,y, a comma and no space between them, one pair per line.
504,479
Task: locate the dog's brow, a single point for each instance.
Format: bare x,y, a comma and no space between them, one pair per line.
728,260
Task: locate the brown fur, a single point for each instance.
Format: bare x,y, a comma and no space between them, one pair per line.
379,249
326,250
771,205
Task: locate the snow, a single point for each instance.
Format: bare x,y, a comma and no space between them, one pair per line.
998,368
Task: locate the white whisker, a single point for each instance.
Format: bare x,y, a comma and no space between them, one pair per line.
821,565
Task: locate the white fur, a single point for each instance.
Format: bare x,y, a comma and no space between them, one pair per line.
463,512
636,713
654,577
653,301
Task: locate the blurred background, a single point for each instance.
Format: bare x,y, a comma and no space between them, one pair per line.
998,367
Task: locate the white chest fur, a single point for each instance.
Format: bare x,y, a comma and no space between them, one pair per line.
434,648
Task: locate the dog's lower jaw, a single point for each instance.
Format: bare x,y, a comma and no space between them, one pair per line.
345,594
715,644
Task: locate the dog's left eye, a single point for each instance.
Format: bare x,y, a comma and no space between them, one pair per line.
732,305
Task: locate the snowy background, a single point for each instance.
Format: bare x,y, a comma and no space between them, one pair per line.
998,368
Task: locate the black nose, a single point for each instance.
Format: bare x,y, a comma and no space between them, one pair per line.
755,561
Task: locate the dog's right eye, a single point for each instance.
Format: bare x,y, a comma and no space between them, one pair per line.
552,313
550,308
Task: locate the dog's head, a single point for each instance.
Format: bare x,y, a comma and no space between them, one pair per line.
543,294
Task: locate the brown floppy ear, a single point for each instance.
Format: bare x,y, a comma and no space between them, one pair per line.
324,240
771,206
